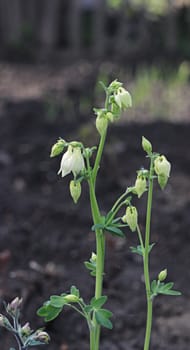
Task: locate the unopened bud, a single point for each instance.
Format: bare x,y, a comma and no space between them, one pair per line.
13,307
42,337
71,298
26,330
162,275
75,190
140,185
101,124
57,148
131,218
93,257
162,168
146,145
110,117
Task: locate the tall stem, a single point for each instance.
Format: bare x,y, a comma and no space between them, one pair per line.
100,240
146,260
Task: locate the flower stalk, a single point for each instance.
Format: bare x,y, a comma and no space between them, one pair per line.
146,258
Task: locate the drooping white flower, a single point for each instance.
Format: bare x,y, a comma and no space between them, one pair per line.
123,98
72,161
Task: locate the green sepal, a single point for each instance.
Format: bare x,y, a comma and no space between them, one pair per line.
98,303
102,318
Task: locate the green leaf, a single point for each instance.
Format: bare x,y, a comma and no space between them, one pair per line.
89,265
88,308
167,286
75,291
97,227
49,312
57,301
108,216
170,292
97,303
115,231
102,319
138,249
116,220
154,286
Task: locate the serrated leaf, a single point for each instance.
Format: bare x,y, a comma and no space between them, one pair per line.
97,303
115,231
75,291
102,320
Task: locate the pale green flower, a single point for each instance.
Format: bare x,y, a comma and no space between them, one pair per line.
123,98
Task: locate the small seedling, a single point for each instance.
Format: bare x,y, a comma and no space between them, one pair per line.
24,335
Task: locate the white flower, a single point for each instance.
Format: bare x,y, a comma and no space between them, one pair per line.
72,161
123,98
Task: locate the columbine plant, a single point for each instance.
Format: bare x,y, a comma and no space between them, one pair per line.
77,160
23,334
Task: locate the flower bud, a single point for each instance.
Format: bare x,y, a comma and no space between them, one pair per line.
162,275
140,185
123,98
146,145
13,307
93,257
26,330
162,168
75,190
101,124
71,298
42,337
131,218
57,148
110,117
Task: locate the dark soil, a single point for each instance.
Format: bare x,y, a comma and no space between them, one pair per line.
45,238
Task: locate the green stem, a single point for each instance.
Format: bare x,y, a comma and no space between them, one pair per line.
120,199
140,239
100,241
99,156
146,260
